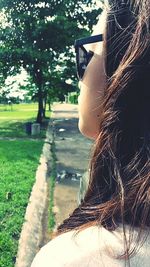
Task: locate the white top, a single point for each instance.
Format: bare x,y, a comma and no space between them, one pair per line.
92,247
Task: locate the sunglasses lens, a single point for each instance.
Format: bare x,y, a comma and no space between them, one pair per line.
81,62
83,58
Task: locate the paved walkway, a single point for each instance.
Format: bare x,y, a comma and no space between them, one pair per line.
73,153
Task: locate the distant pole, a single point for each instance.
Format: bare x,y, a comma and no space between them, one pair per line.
10,104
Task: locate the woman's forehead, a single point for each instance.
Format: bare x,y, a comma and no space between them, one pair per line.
100,26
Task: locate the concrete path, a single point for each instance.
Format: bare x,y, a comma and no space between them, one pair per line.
73,153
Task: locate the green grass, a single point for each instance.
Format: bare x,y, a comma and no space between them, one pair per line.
13,119
18,166
18,163
18,111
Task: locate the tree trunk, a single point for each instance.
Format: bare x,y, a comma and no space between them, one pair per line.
38,79
49,106
44,106
39,118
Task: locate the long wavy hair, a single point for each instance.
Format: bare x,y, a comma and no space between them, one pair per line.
119,186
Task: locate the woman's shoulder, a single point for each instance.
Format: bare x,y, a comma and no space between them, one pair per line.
73,248
86,248
54,252
67,247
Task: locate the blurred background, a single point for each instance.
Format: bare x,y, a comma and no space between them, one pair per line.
37,60
37,68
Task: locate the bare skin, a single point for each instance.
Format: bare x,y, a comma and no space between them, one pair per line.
92,90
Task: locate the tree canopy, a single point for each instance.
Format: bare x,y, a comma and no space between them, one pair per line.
38,36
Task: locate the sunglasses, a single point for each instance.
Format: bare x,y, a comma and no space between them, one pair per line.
83,56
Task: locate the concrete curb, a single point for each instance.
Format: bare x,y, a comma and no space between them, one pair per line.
32,234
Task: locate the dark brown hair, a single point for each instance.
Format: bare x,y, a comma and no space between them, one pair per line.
119,187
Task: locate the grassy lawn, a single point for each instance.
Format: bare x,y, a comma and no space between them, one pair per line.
18,166
13,119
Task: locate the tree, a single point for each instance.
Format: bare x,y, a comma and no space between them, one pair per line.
38,32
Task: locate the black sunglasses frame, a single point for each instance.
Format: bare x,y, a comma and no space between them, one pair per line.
88,54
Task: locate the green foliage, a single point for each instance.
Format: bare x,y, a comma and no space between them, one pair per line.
18,167
73,98
39,36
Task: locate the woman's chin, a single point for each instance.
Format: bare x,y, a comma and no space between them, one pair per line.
84,130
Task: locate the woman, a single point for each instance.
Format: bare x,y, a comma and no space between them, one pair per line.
111,226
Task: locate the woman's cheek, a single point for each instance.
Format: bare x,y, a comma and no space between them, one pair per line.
85,123
79,99
81,112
